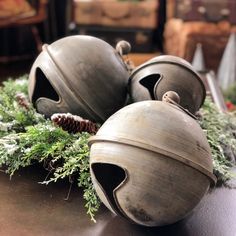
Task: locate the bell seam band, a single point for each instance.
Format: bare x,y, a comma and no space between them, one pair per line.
148,147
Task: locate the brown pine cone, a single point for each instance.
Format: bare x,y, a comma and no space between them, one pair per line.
22,100
73,123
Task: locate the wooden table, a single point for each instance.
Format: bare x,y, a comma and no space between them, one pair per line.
28,208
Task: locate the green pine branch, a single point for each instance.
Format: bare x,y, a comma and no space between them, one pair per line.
14,117
27,138
220,130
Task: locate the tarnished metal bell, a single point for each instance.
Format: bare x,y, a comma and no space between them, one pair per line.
152,79
79,74
151,163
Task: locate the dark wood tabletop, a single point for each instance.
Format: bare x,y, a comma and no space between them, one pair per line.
30,208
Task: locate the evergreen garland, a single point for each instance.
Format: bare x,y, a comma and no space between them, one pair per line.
13,115
230,93
220,130
26,137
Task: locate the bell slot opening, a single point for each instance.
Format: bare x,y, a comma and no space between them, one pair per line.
43,87
109,177
149,83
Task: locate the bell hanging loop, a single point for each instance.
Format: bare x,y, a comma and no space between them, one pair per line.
174,98
123,47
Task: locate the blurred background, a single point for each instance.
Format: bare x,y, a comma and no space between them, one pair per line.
25,25
153,27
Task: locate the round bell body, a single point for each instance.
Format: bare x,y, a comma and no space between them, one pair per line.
150,162
151,80
81,75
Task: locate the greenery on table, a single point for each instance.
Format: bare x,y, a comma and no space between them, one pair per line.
230,94
14,117
220,130
26,137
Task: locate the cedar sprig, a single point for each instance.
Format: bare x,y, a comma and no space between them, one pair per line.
64,155
16,112
26,137
220,131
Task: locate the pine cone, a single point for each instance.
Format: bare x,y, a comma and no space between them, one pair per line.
22,100
73,123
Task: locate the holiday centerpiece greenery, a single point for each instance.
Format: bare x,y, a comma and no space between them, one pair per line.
26,137
230,96
220,130
61,145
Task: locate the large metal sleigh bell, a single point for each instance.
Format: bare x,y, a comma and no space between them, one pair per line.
151,80
79,74
151,163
